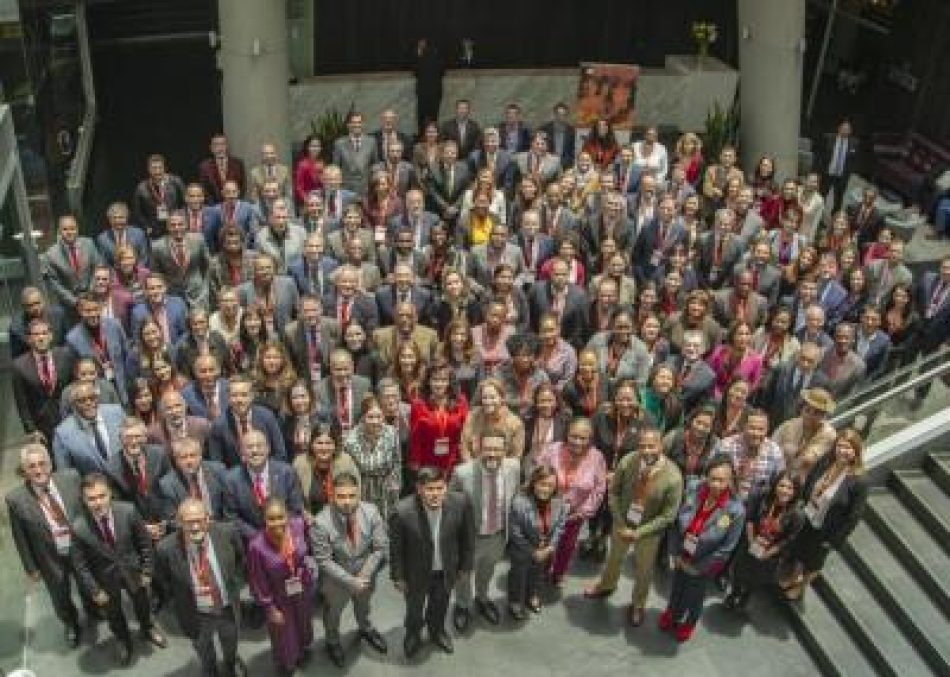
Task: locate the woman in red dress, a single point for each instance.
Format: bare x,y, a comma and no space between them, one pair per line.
308,172
436,418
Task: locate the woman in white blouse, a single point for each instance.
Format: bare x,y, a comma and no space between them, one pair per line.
650,155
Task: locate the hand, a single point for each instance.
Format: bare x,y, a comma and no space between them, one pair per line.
101,598
275,616
155,531
627,534
400,586
361,584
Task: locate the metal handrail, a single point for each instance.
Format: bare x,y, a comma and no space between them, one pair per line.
887,379
79,168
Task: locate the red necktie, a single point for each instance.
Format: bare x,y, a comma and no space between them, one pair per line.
206,577
260,494
491,524
351,533
107,534
48,373
143,475
343,406
52,506
181,256
195,221
73,257
345,313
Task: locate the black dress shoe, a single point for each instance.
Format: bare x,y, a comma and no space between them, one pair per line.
518,612
411,645
72,633
461,617
154,636
488,611
375,639
235,669
124,653
335,654
442,640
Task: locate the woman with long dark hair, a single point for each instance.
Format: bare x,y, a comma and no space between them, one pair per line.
545,425
273,375
359,343
324,460
602,144
692,446
251,336
736,358
308,170
299,417
436,418
659,399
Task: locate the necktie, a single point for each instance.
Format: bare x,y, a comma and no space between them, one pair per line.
195,221
194,486
223,168
206,577
356,144
450,181
48,373
143,475
345,313
245,425
343,406
491,522
936,301
181,256
101,446
107,534
73,257
351,533
260,493
52,506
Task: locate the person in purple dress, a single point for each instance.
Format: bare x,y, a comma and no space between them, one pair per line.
283,579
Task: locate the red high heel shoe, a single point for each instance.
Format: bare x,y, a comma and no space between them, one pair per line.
684,632
666,620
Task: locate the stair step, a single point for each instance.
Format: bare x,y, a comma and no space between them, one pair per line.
912,544
938,467
908,604
826,641
927,500
868,623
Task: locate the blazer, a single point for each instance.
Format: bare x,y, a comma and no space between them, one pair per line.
295,338
664,491
172,567
31,533
195,399
196,428
176,313
769,278
362,309
522,136
421,226
574,317
719,537
439,197
186,352
340,561
830,140
645,259
385,340
369,277
74,448
568,145
450,130
20,324
99,566
120,476
402,177
173,489
210,178
503,171
549,171
881,287
336,243
286,298
411,545
246,217
191,282
116,350
725,313
731,253
848,374
525,526
285,253
354,165
696,383
135,237
782,398
403,138
223,444
481,271
279,173
63,282
303,466
240,505
847,505
219,274
37,407
875,356
934,330
313,279
145,203
325,395
386,302
467,479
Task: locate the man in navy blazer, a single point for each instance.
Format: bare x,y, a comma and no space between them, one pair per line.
102,339
415,218
500,160
536,247
403,290
933,303
346,304
120,232
192,477
872,344
207,395
567,300
39,377
34,306
312,271
134,473
232,211
560,135
238,420
656,242
169,311
88,437
514,135
257,478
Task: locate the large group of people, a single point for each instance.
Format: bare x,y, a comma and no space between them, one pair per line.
250,394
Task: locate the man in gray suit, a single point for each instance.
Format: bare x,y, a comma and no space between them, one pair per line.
350,545
281,238
182,258
68,264
486,257
354,154
401,172
490,482
89,437
270,169
341,393
538,162
276,294
842,365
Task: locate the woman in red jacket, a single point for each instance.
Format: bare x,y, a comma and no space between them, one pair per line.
602,145
435,421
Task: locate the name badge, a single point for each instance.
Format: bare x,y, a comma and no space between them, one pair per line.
690,541
635,514
108,372
441,446
379,236
204,600
656,257
315,374
63,538
161,213
293,586
811,510
757,548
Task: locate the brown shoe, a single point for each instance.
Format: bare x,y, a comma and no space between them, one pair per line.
636,616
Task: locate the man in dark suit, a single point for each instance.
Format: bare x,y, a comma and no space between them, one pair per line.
402,290
347,304
200,340
498,159
354,154
134,473
537,162
255,480
67,265
156,197
536,247
388,135
871,344
34,306
415,218
102,339
207,395
462,129
740,302
446,184
839,156
39,378
277,294
192,477
561,135
182,258
401,172
170,312
239,419
112,552
612,223
865,219
790,379
719,250
231,211
312,272
341,394
514,134
431,548
310,339
203,566
933,304
173,422
657,240
694,378
766,276
120,233
566,300
221,167
41,511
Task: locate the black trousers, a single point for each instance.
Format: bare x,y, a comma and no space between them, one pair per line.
61,597
687,596
524,577
428,605
839,184
223,624
141,604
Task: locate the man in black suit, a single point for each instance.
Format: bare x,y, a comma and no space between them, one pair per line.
200,340
840,153
720,250
203,566
865,218
310,339
238,419
446,184
514,133
431,544
112,552
192,477
39,377
462,129
41,510
499,159
347,304
694,378
783,395
560,135
389,134
566,300
134,474
402,290
34,306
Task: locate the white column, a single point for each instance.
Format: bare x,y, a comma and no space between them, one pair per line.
253,59
771,34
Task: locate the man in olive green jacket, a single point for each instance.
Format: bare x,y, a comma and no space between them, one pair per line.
645,494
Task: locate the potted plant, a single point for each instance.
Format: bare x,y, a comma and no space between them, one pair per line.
704,33
328,127
722,127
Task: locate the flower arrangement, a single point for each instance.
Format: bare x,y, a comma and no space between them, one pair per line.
704,33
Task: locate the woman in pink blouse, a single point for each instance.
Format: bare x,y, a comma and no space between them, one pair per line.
582,483
490,338
308,172
736,359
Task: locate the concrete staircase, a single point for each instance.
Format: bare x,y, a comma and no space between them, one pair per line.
882,604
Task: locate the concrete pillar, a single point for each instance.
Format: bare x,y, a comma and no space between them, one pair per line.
253,59
300,29
771,34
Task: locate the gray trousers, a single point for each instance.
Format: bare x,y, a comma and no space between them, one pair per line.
335,599
489,551
225,625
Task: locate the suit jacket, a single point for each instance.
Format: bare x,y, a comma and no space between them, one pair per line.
223,444
402,177
336,244
440,195
386,302
173,489
467,479
63,282
172,567
660,502
847,504
549,171
186,352
480,270
934,330
341,562
725,313
100,567
362,309
247,217
145,204
503,171
212,181
286,252
295,339
449,130
881,284
525,526
20,324
425,338
38,407
574,317
389,258
74,448
134,237
308,277
875,357
279,173
116,350
559,222
645,259
176,313
326,396
696,385
411,543
196,428
354,164
241,506
422,228
286,298
31,533
719,538
731,253
828,149
769,280
569,144
195,399
124,487
191,281
783,397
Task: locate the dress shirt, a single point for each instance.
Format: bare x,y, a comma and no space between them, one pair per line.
754,474
487,508
215,568
435,526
